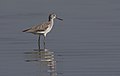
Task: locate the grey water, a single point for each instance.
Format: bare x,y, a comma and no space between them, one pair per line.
85,43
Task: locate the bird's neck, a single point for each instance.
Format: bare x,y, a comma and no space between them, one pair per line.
51,20
51,23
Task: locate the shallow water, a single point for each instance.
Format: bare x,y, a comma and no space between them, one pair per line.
86,43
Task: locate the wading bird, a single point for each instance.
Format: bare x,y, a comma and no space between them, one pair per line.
44,28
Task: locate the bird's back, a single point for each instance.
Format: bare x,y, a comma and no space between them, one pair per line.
38,28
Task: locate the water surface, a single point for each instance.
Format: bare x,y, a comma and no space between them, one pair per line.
86,43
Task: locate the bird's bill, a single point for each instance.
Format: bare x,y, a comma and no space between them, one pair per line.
59,18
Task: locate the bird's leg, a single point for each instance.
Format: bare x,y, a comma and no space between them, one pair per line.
39,43
44,42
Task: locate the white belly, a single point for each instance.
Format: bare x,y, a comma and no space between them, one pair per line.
47,30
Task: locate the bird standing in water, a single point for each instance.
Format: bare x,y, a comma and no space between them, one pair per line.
43,29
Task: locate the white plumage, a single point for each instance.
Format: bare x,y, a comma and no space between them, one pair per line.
44,28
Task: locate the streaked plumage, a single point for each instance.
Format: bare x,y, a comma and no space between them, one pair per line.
38,28
44,28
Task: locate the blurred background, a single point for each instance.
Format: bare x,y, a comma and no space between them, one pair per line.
86,43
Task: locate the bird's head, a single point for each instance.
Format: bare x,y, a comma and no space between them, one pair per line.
53,16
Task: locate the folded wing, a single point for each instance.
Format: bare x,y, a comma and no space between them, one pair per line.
38,28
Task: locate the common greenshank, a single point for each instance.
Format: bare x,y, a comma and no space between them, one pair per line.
44,28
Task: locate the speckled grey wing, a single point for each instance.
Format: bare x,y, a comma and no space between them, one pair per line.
38,28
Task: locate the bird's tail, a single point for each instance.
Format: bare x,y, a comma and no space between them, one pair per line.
25,30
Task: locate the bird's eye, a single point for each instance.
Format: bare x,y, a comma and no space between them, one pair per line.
53,15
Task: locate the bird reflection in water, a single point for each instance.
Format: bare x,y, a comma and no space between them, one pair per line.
46,60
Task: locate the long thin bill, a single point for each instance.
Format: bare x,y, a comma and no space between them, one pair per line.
59,19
